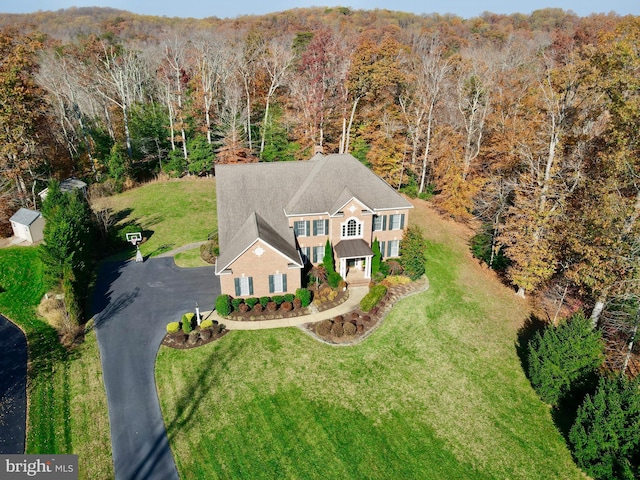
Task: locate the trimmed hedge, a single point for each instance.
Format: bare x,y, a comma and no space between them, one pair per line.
173,327
251,302
371,299
206,324
223,305
236,302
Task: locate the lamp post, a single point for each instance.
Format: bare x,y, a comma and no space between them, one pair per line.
197,314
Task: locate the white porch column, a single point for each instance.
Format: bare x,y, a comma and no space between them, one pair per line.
367,268
343,268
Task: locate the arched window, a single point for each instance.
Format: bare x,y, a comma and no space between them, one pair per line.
352,228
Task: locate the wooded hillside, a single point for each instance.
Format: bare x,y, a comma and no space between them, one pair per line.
527,123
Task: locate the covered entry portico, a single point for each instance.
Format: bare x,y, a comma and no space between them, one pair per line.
354,258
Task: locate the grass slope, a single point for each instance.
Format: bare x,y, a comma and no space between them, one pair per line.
174,213
67,403
436,392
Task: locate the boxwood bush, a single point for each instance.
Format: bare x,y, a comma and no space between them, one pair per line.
206,324
371,299
236,302
223,305
251,302
304,296
173,327
289,297
264,301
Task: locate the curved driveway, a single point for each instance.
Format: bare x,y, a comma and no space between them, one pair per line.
13,388
133,302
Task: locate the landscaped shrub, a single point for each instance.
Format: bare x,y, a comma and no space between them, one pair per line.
377,258
223,305
236,302
338,318
304,296
323,328
206,324
342,285
392,267
606,434
205,334
209,251
333,279
371,299
243,308
349,329
289,297
297,303
272,306
412,249
173,327
186,327
187,322
337,329
565,359
286,306
258,308
194,335
278,299
264,301
251,302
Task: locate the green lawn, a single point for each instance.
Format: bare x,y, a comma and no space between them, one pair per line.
436,392
67,403
171,213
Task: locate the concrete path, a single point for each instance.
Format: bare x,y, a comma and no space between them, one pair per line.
13,388
355,295
184,248
133,302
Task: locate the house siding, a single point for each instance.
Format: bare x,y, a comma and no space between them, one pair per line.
387,235
353,209
259,267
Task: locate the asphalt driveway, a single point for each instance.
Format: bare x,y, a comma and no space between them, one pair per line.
13,388
133,302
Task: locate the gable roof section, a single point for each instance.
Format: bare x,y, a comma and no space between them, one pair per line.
24,216
253,229
259,189
331,176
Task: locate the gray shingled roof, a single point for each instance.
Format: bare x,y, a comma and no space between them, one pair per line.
253,200
325,186
24,216
353,248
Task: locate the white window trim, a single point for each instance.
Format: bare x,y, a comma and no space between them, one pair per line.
391,222
244,287
344,228
395,248
304,228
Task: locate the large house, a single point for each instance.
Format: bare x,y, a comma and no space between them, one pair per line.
275,218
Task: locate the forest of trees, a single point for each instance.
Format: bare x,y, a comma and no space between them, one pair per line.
527,124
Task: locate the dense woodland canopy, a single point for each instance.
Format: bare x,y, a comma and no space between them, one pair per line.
527,123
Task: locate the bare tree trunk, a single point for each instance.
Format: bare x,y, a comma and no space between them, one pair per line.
631,341
597,310
348,132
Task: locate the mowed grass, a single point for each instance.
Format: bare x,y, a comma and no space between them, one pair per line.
436,392
67,410
171,213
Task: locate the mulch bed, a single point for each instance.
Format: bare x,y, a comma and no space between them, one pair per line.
364,322
180,340
252,315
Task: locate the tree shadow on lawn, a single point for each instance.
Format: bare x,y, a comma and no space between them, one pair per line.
526,333
188,402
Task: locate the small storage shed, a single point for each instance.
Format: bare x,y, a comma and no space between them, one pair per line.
28,225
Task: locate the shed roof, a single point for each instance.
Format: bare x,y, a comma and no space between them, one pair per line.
353,249
24,216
